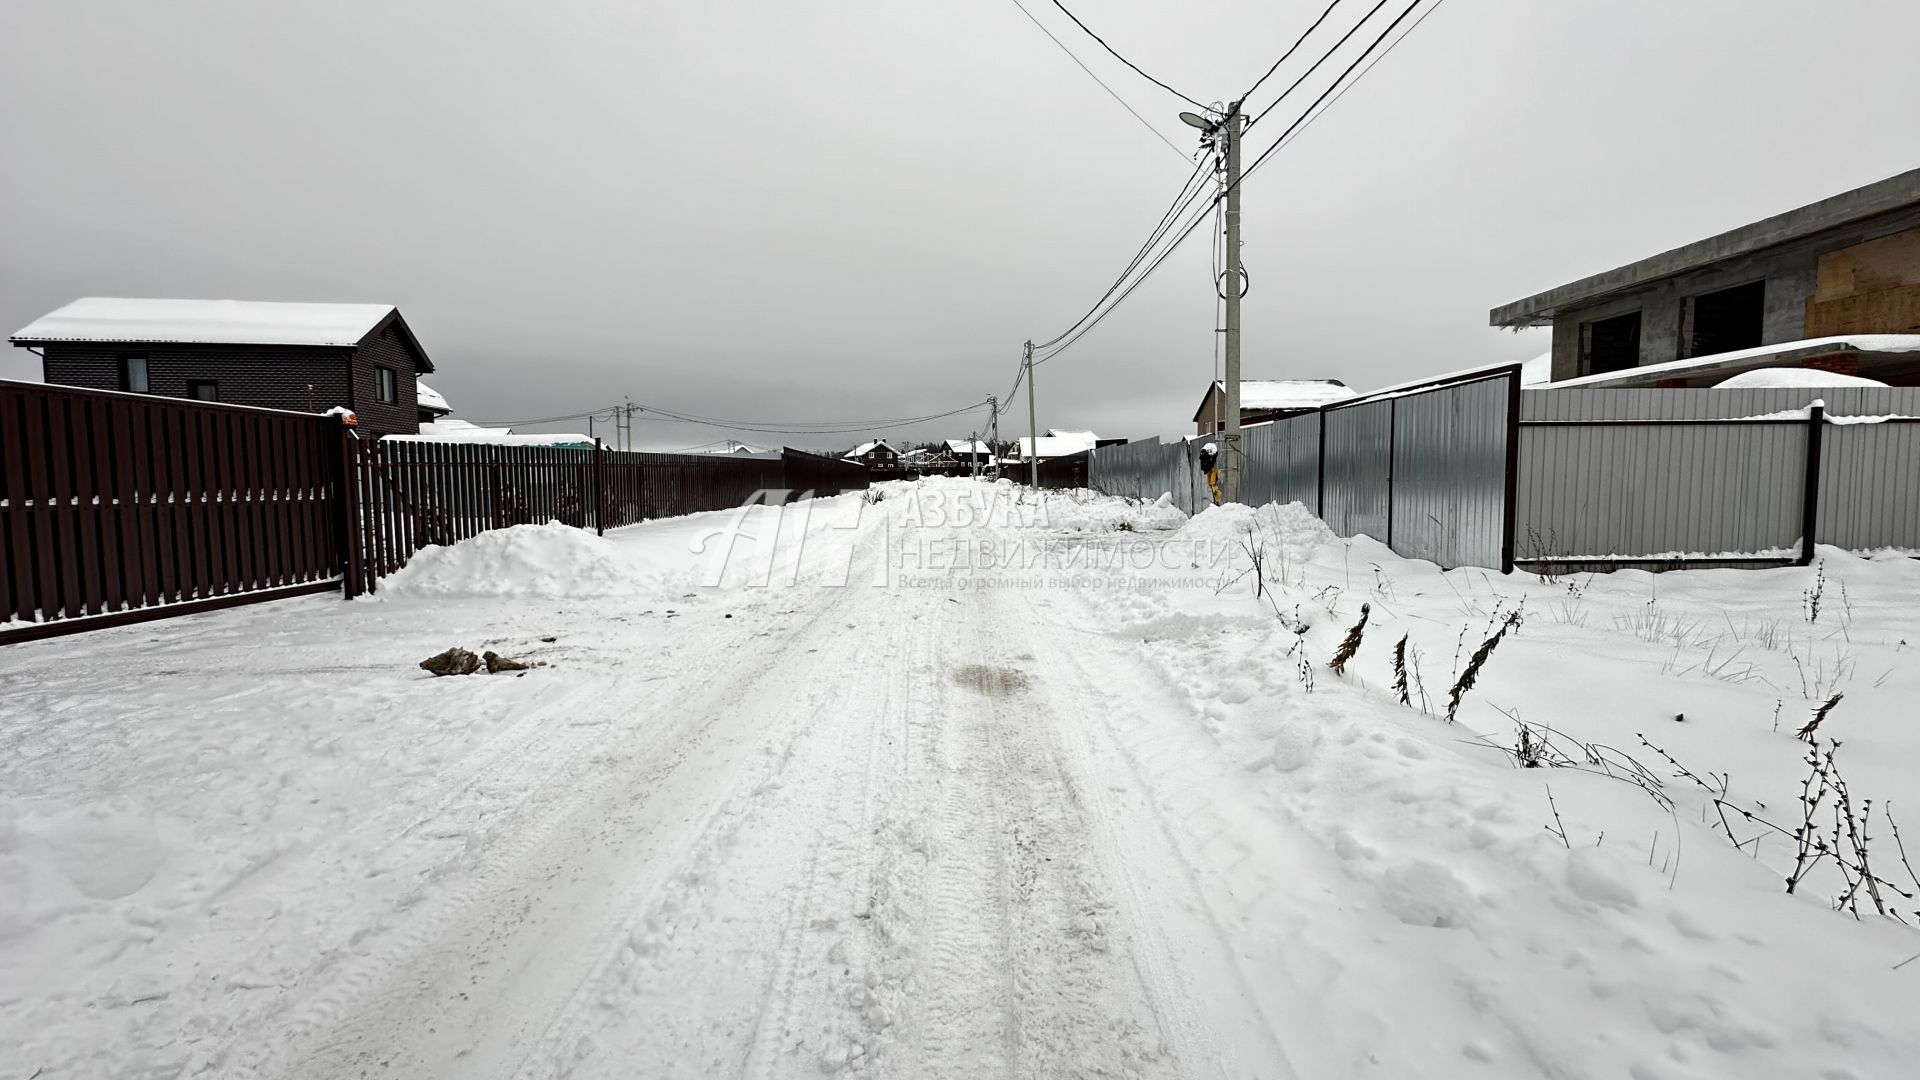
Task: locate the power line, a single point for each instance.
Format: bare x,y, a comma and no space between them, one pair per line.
1110,91
1324,57
1124,60
1188,192
1307,116
1301,40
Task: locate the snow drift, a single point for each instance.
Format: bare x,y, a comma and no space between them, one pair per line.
537,561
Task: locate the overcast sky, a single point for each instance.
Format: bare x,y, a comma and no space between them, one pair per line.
848,209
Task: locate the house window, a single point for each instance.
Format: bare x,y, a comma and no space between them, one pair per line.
385,388
1610,344
203,390
1726,320
133,374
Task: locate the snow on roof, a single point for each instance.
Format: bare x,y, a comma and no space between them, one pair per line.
208,322
446,429
1792,378
861,450
1061,444
1292,393
969,446
1873,343
1537,371
737,448
429,398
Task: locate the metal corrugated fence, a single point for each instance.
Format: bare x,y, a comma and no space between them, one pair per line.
1283,462
1449,483
1694,475
1423,470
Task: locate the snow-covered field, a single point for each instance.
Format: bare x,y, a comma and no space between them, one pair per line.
954,784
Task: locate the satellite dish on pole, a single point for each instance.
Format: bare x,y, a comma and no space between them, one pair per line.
1196,120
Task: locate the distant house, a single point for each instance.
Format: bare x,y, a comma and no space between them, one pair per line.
1822,286
1057,443
1262,400
431,405
303,357
881,460
970,453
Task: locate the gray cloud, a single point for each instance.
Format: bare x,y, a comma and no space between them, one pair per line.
853,209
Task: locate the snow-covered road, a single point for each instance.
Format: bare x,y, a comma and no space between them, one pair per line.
819,791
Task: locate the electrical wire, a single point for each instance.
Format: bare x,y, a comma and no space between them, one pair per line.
1324,57
1188,193
1124,60
1184,156
771,428
1193,223
1295,47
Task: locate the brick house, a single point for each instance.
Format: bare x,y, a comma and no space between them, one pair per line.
302,357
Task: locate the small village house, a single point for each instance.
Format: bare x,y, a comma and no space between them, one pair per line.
883,462
302,357
1262,400
1833,285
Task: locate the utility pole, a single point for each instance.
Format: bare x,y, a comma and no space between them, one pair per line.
973,455
1033,428
993,440
1230,456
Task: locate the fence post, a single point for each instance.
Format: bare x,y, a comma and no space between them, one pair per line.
1393,430
1810,497
1320,469
348,519
1511,511
599,488
493,486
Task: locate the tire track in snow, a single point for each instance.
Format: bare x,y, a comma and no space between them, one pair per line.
1210,1006
350,1024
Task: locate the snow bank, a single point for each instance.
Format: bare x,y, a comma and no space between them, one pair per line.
1086,511
543,561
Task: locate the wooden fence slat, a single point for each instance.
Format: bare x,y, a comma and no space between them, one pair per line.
71,551
136,552
24,601
165,471
104,440
227,478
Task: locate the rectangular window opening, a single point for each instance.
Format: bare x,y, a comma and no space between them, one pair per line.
386,388
1727,320
1611,344
133,374
203,389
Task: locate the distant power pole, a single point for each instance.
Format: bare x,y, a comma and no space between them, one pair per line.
1033,428
1230,457
993,439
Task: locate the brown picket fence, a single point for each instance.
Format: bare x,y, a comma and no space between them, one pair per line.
116,508
113,506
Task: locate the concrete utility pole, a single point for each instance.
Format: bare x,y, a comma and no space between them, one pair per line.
1230,453
1033,428
993,439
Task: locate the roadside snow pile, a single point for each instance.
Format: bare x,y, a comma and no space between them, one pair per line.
538,561
1080,510
1594,850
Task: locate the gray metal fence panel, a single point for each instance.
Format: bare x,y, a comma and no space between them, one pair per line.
1147,469
1449,485
1649,490
1579,403
1357,468
1870,487
1282,462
